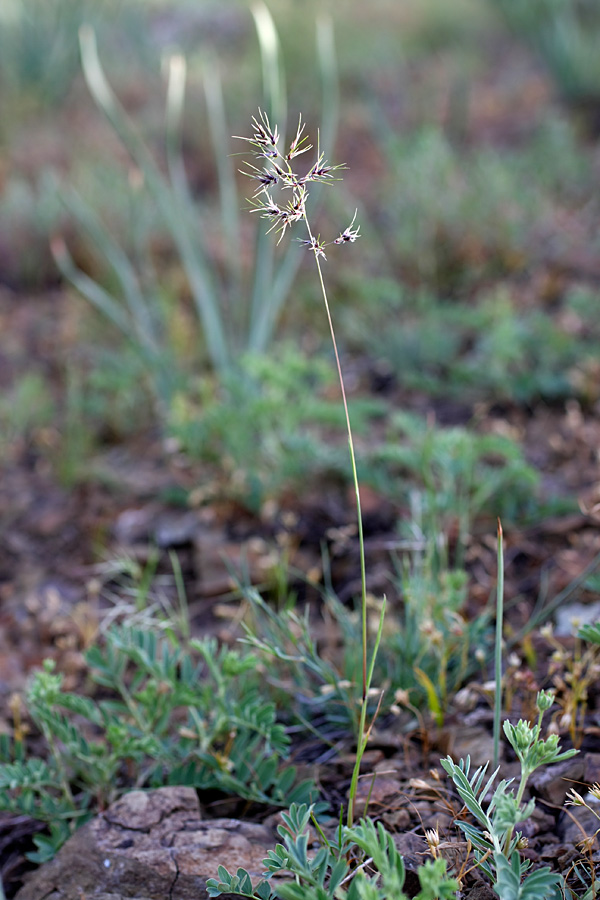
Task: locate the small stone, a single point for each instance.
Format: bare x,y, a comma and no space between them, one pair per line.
576,825
143,809
552,783
475,741
591,768
481,891
148,846
396,819
376,794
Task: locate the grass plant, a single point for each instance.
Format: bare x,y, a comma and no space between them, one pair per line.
25,412
498,646
430,647
458,474
486,348
428,650
38,46
193,716
564,34
229,326
573,672
586,874
261,428
277,172
29,211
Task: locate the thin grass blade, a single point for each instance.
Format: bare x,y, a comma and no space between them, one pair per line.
200,277
228,197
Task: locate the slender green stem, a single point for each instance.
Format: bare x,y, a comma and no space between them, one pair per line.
363,571
64,781
525,773
498,647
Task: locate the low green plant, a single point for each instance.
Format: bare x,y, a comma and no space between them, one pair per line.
447,214
484,349
564,34
25,409
495,841
458,472
428,650
170,716
453,218
337,870
430,646
38,46
262,427
105,400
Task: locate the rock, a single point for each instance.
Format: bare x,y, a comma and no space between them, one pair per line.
149,845
376,794
475,741
413,849
480,891
570,618
591,772
154,524
552,783
577,823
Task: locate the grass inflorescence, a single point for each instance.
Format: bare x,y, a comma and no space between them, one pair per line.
277,170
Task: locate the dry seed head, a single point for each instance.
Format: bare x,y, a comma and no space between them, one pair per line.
350,234
316,245
587,844
265,177
565,720
433,841
574,798
264,144
265,138
296,147
402,697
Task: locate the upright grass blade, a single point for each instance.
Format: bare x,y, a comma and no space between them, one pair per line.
101,299
329,83
230,327
196,265
144,324
230,207
178,184
498,647
264,302
273,76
